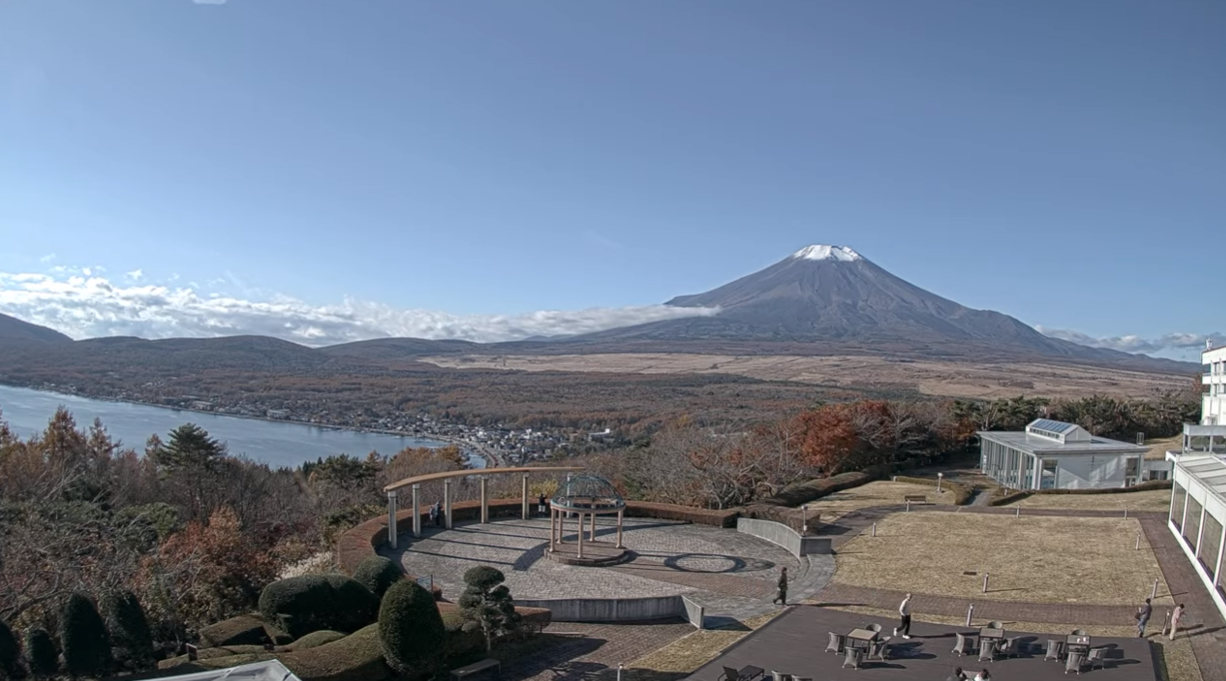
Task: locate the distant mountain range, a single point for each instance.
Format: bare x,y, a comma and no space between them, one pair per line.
821,300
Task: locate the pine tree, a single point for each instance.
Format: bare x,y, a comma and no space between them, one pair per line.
87,647
189,446
10,653
41,655
486,604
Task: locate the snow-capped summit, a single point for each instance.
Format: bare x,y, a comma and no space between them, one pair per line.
824,252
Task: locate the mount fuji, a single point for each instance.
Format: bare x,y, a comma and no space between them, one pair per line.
826,298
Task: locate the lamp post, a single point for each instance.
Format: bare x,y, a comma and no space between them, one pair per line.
940,476
804,518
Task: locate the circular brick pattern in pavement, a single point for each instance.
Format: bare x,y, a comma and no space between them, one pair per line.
670,558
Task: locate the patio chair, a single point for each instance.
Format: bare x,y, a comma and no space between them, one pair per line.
995,624
852,657
1074,662
878,650
1079,632
987,650
1008,648
746,673
1097,656
875,628
1055,650
837,643
964,646
780,676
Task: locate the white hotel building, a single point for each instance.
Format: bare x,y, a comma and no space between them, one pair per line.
1198,496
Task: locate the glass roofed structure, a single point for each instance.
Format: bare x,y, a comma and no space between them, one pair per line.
583,497
1053,454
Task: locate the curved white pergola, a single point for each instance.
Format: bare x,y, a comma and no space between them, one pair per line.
414,483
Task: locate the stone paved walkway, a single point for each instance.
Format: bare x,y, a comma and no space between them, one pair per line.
593,651
732,575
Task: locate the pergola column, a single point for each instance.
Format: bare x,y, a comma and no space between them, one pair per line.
447,504
580,535
391,519
416,510
485,503
553,527
620,513
592,536
524,509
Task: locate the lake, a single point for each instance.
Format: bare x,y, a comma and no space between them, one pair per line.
275,443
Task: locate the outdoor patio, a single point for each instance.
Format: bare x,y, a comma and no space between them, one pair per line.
794,644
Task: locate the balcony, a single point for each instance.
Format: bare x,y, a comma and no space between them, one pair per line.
1199,439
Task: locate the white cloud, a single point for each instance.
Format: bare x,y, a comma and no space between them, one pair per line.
47,258
1137,344
136,274
78,302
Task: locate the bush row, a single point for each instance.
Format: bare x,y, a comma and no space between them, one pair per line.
1011,497
700,516
810,490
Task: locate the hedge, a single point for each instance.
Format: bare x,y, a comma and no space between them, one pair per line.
87,647
811,490
962,493
410,628
316,639
1012,497
41,656
301,605
10,653
378,574
356,657
129,627
236,631
700,516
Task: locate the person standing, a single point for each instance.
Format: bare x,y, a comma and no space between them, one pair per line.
1175,617
540,505
781,596
904,618
434,514
1143,614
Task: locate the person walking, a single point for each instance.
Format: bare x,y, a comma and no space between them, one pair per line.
1175,617
904,618
434,515
540,505
1143,614
781,596
957,675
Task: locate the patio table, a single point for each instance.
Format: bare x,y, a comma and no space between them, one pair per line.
860,638
989,633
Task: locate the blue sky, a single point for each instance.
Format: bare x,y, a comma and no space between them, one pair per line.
1063,162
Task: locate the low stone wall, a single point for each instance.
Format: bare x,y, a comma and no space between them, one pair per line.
694,612
609,609
782,535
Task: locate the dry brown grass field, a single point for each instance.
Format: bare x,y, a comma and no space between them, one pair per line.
1031,558
930,377
1158,500
878,493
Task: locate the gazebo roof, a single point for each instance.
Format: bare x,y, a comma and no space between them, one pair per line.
588,493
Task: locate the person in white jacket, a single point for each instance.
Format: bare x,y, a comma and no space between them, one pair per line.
904,616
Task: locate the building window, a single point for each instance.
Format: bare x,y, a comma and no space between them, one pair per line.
1211,540
1191,524
1179,497
1048,478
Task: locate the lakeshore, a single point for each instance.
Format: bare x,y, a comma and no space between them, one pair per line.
277,442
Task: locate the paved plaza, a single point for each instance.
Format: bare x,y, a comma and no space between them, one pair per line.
732,574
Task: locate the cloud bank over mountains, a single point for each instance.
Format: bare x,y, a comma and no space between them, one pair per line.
83,303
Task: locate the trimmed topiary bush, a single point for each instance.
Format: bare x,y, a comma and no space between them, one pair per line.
301,605
10,653
410,628
129,628
378,574
87,647
41,656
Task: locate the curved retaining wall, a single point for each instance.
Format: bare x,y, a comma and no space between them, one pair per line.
782,535
617,609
